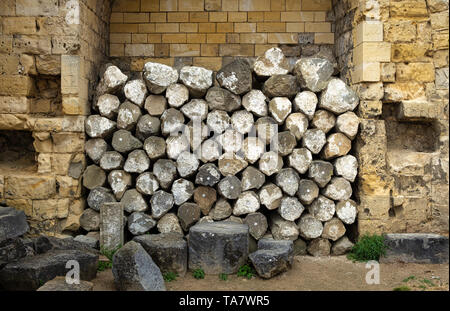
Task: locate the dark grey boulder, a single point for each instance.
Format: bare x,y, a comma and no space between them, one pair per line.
218,247
134,270
416,248
11,250
281,86
168,251
30,272
59,284
13,223
272,257
98,196
236,77
43,244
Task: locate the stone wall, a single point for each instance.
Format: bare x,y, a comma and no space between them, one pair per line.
208,33
396,54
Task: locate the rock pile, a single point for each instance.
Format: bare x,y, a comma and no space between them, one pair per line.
262,144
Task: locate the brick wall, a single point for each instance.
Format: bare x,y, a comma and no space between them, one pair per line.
204,32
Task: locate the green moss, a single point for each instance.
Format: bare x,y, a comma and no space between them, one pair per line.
369,247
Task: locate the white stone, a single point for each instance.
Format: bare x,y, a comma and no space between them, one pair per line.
306,102
347,167
159,76
242,121
136,92
348,123
255,101
253,149
176,145
297,124
197,79
218,121
273,62
248,202
270,163
322,208
338,97
280,108
177,94
195,109
290,208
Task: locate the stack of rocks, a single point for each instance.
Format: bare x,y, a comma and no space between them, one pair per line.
266,144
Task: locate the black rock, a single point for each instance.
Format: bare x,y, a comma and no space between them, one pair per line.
13,223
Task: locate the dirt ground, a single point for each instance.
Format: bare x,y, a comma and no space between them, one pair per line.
314,274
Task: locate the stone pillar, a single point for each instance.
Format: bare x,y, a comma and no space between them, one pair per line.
111,226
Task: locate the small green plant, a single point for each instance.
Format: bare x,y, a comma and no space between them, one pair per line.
109,253
409,278
103,265
369,247
41,283
402,289
223,276
170,276
422,287
246,271
198,274
428,282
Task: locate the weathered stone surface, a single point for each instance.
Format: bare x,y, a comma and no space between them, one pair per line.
139,223
108,106
321,172
313,73
348,123
95,148
287,179
99,127
197,79
300,159
257,224
338,189
270,196
147,126
205,198
28,273
161,202
123,141
323,120
221,210
338,97
253,148
333,229
280,108
310,227
177,95
168,250
221,99
188,214
347,167
300,247
88,240
172,121
283,229
270,163
308,191
146,183
242,121
322,208
196,109
290,208
281,86
165,171
319,247
416,247
128,116
266,128
205,219
182,190
306,103
297,124
133,201
236,77
136,92
187,164
119,182
176,145
337,145
198,132
93,177
341,246
347,211
13,223
252,178
231,164
59,284
159,76
248,202
208,175
155,147
111,160
230,140
255,102
169,223
111,226
273,62
218,121
314,140
219,247
98,196
155,105
209,151
134,270
137,162
272,257
284,143
230,187
112,81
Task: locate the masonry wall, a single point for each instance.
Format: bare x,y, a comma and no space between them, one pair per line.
210,32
